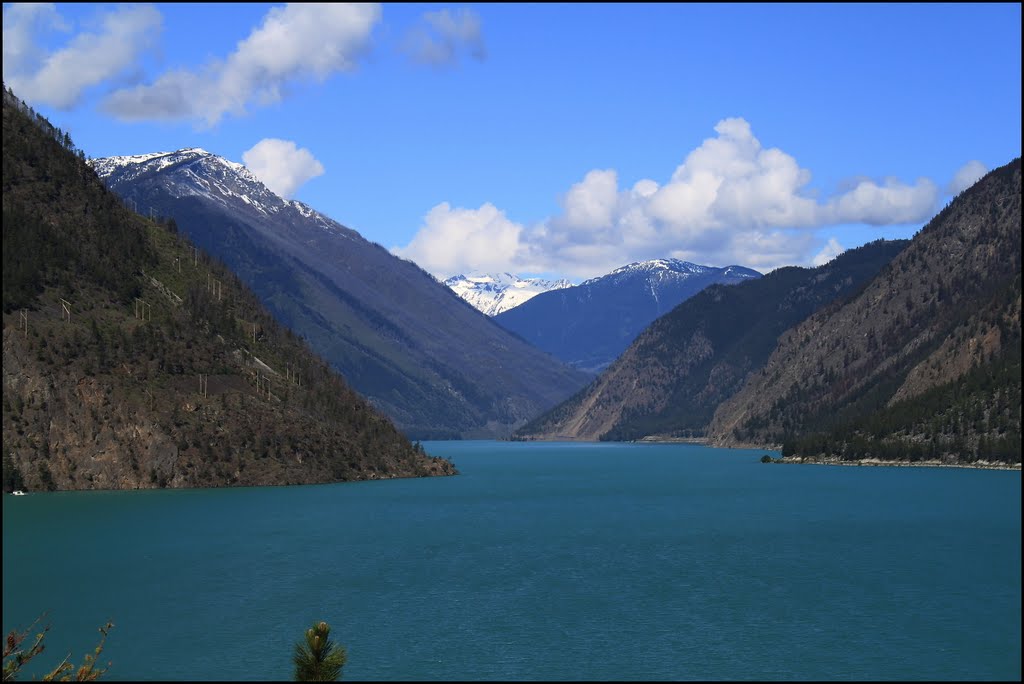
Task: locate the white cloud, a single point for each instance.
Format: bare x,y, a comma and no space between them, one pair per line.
295,42
880,205
829,252
22,23
731,201
61,77
441,36
591,203
455,241
281,165
968,175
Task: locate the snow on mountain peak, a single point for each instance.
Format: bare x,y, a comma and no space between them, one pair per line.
493,293
157,161
739,272
240,169
153,161
651,265
192,171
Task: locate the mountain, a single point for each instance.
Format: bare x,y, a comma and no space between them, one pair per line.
493,293
590,324
924,363
683,365
435,365
132,360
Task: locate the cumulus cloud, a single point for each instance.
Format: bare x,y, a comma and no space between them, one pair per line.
281,165
295,42
830,251
443,34
968,175
61,77
893,202
451,238
591,203
731,201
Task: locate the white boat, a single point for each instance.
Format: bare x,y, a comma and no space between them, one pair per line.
18,492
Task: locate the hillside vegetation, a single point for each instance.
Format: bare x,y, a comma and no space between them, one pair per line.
924,363
133,360
431,362
672,378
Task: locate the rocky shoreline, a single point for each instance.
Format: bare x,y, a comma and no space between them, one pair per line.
674,440
980,465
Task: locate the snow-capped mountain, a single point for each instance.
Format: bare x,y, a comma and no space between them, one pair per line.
493,293
437,368
209,177
657,266
590,324
660,273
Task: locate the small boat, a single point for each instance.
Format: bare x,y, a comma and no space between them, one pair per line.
18,492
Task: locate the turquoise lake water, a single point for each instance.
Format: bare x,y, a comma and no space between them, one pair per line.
540,561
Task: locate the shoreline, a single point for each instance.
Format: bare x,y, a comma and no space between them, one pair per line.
673,440
804,460
799,460
874,463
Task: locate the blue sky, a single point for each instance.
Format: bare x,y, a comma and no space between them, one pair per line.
558,140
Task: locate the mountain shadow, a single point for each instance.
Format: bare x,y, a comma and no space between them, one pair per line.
435,365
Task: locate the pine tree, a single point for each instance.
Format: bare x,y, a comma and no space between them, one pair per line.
16,657
318,659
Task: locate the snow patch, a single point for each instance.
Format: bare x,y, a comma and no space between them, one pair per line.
493,293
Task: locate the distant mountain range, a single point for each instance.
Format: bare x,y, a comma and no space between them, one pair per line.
435,365
672,378
590,324
493,293
133,361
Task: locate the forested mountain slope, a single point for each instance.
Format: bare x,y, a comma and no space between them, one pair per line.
430,361
133,360
672,378
923,364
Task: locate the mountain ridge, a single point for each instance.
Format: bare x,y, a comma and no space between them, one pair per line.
495,293
590,324
421,354
133,361
669,381
923,363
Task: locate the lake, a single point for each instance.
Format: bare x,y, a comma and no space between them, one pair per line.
540,561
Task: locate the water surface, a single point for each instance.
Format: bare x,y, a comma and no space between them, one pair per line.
540,561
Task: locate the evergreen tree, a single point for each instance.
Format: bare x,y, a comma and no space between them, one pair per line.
17,655
12,474
318,659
